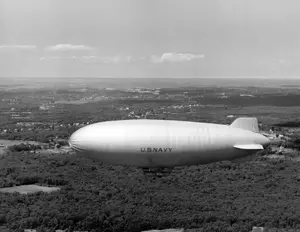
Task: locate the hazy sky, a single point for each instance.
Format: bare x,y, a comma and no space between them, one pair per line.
149,38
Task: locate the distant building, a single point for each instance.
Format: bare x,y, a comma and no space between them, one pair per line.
281,149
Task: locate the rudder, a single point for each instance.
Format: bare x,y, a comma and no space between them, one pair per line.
246,123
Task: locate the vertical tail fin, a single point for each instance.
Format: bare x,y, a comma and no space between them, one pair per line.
246,123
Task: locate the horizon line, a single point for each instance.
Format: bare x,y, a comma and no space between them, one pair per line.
213,77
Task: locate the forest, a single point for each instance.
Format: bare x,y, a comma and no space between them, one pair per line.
222,196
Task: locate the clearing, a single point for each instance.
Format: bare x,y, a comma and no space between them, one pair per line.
25,189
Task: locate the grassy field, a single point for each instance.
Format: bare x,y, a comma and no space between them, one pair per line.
27,189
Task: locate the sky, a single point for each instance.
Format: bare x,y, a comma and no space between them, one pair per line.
149,38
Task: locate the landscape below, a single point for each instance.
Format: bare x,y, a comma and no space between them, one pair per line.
223,196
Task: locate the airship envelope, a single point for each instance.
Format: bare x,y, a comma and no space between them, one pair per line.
166,143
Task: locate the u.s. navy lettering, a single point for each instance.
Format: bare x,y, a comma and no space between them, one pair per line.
156,149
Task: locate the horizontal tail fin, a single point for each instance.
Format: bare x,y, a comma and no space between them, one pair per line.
249,147
250,124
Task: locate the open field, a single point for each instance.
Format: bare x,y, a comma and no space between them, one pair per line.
28,189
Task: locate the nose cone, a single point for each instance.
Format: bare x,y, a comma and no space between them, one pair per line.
74,140
78,141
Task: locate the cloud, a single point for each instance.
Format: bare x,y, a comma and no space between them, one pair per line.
92,59
107,59
68,47
53,58
17,47
176,57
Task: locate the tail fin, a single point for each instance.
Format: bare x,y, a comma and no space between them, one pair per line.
250,124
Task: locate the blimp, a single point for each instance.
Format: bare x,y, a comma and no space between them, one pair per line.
156,145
